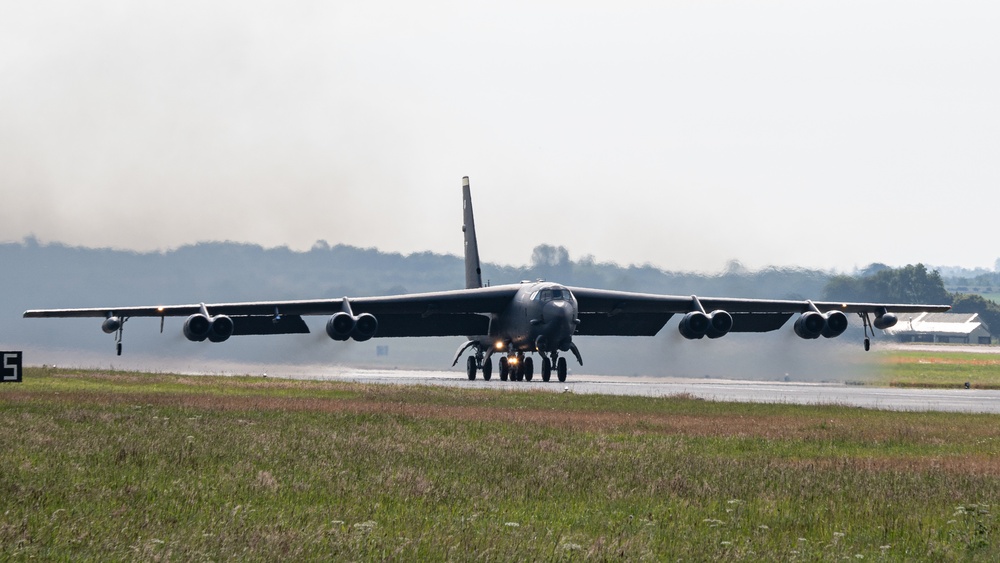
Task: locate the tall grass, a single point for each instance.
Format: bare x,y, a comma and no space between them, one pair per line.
129,466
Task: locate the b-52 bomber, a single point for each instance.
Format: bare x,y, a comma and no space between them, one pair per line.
514,321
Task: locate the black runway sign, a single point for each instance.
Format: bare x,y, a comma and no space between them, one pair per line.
10,367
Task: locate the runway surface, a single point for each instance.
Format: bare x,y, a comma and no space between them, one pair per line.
949,400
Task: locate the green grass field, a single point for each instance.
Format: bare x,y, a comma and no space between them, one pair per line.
941,369
121,466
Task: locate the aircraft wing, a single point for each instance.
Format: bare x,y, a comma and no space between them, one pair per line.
444,313
622,313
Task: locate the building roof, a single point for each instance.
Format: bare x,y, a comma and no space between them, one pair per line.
938,323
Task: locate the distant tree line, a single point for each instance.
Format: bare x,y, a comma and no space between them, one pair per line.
988,282
910,284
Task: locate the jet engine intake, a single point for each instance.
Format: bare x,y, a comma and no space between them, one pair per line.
365,326
221,328
694,325
813,324
340,326
197,327
836,324
884,321
720,324
343,326
697,325
111,324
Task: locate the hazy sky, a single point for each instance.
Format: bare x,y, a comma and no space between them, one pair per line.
681,134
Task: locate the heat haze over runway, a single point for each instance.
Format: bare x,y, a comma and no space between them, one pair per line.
865,396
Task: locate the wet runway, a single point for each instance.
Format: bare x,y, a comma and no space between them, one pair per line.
949,400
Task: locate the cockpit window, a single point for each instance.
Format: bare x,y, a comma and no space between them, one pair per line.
553,295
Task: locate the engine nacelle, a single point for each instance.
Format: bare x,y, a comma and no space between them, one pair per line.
720,324
810,325
221,328
694,325
884,321
197,327
340,326
836,324
111,324
364,327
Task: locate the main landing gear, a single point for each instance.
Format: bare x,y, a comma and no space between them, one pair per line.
518,367
478,362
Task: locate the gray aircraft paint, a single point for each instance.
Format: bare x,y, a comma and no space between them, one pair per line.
473,273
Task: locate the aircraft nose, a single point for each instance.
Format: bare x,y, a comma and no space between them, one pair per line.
558,313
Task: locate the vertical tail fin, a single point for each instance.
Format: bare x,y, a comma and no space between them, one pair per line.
473,274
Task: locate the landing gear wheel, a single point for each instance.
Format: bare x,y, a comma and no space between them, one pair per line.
868,344
487,369
546,369
561,369
470,368
504,369
529,368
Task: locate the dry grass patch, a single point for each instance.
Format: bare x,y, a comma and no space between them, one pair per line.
121,468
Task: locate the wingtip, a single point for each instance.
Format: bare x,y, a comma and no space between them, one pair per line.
465,181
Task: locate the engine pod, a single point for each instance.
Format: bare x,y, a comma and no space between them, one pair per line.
197,327
720,323
111,324
365,326
884,321
810,325
694,325
836,324
340,326
221,329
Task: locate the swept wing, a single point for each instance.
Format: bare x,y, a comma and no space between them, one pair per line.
623,313
442,313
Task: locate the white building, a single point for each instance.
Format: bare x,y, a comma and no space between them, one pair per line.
960,328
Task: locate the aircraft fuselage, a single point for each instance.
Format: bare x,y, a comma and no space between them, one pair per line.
541,317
